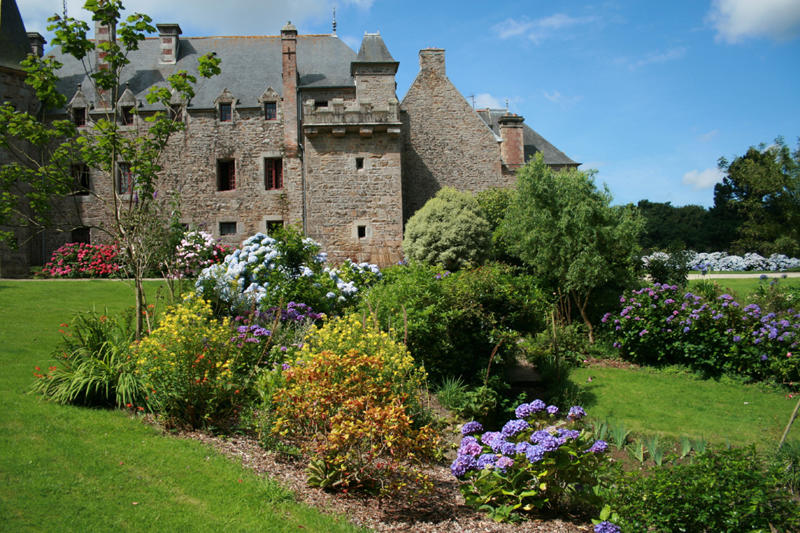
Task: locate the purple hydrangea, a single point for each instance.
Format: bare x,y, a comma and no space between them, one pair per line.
486,460
576,412
462,465
534,454
537,436
470,428
552,410
537,405
567,434
490,437
599,446
470,446
521,447
524,410
549,443
606,527
513,427
503,463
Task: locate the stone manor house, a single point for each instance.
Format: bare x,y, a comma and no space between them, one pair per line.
298,129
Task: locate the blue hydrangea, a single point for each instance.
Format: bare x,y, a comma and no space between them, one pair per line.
462,465
552,410
534,454
576,412
490,437
537,405
606,527
549,443
599,446
470,446
504,463
471,428
486,460
513,427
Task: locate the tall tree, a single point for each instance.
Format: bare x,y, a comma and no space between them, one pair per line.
565,229
32,185
760,197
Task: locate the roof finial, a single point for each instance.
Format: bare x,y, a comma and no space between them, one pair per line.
334,20
64,3
506,105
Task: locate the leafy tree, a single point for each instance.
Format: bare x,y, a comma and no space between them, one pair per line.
565,230
494,203
759,199
45,149
448,230
667,226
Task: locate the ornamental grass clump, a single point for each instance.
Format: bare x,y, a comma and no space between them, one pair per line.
536,463
662,325
350,401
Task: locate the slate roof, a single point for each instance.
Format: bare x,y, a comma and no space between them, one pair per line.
14,43
249,65
373,50
533,142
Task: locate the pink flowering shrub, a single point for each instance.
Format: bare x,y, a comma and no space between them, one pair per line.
196,251
82,260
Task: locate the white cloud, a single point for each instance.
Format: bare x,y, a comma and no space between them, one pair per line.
539,29
658,57
736,20
560,99
706,137
702,179
487,101
204,17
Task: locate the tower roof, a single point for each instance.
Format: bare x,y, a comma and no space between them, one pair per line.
14,43
373,50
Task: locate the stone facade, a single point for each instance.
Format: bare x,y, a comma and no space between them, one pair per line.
300,130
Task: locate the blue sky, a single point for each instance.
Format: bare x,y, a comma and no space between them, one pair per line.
650,94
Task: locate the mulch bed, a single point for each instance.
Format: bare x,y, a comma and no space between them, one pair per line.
443,511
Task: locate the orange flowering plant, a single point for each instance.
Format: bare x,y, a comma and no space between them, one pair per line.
351,400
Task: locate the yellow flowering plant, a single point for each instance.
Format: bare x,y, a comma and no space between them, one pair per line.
191,370
351,401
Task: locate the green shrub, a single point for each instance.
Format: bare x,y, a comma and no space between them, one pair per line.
536,463
774,297
351,401
494,203
453,322
93,365
671,267
194,373
448,230
728,490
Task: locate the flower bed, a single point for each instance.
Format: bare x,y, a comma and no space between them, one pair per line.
722,261
82,260
196,251
661,325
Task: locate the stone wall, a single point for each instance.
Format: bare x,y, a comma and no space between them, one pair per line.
445,142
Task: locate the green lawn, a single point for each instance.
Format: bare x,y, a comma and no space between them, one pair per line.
65,468
672,404
743,287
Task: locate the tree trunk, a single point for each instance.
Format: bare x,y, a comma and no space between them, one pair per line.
584,316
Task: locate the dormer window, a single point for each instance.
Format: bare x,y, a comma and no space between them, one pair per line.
126,115
225,112
79,116
271,110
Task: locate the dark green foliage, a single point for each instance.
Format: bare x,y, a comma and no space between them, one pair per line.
787,466
758,200
494,203
729,490
685,227
93,365
452,322
670,268
448,230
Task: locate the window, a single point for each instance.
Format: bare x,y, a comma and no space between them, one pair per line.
273,174
273,226
227,228
125,179
226,174
362,232
270,110
225,112
359,163
320,103
79,116
80,177
80,235
127,116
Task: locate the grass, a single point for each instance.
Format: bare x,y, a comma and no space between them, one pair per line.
674,404
65,468
743,287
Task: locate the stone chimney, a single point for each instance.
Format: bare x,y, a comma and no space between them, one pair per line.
103,34
170,43
432,60
289,69
512,148
37,43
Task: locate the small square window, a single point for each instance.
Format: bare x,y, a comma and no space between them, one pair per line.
320,103
79,116
125,181
359,163
80,177
273,226
362,232
227,228
225,112
273,174
270,110
226,174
